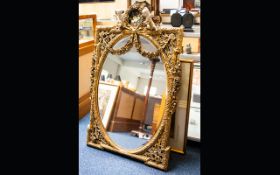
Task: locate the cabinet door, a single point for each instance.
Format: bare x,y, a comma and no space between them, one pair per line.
138,113
126,104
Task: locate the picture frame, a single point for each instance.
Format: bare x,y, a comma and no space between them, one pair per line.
180,120
107,94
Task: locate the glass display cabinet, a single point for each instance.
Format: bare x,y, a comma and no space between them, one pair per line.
87,27
194,115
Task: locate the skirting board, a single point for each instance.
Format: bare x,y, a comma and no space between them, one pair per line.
84,105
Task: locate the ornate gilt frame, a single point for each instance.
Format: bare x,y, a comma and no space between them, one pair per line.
169,44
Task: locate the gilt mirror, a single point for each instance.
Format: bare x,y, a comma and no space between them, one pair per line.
134,80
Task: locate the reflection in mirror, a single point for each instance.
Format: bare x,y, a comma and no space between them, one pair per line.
131,96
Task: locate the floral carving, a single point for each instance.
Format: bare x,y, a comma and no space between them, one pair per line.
124,49
95,135
104,37
157,153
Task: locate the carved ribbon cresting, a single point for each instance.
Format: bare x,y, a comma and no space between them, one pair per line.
168,43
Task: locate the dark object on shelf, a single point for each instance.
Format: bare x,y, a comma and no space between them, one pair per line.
188,49
176,19
102,77
188,20
118,78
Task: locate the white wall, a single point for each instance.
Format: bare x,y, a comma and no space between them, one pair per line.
160,85
132,71
169,4
84,73
106,10
111,66
127,74
103,10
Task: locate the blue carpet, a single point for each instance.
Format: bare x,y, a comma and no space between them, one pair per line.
125,140
98,162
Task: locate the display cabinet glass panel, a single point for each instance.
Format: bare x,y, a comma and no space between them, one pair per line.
87,28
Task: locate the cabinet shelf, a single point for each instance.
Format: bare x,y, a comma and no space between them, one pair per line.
194,56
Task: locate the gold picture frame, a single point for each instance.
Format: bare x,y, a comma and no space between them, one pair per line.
168,42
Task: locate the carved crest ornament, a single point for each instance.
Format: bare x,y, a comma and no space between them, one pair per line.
134,23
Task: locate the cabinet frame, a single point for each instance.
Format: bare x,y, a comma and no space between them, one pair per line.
88,46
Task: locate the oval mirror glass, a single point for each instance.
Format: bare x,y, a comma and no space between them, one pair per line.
131,96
